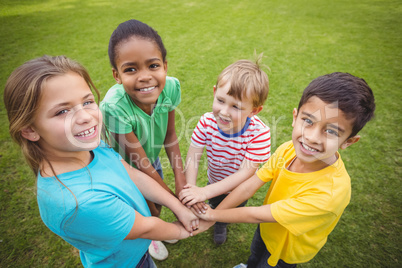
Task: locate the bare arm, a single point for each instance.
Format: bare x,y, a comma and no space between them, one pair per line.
226,213
156,229
132,148
192,194
240,215
173,152
192,163
152,191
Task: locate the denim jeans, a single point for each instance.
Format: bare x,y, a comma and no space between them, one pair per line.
259,254
146,261
158,167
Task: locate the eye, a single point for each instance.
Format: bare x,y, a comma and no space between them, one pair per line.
332,132
61,112
236,107
154,66
219,100
307,121
88,103
129,70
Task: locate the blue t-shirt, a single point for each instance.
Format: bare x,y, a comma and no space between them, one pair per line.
100,214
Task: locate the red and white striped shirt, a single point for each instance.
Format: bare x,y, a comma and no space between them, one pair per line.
226,152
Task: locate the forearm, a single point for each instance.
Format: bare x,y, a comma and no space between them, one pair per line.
161,230
192,163
241,193
156,229
243,215
151,172
227,184
174,155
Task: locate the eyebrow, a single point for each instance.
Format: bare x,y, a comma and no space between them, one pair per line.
309,115
127,64
331,125
67,103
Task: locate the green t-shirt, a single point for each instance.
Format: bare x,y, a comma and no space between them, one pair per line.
121,116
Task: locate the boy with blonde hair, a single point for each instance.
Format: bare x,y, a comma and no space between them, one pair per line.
310,187
236,140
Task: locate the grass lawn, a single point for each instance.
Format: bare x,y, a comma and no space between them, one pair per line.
300,39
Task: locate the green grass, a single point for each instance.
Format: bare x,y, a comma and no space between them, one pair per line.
300,39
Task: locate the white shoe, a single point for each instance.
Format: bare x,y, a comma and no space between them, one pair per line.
172,241
158,251
241,265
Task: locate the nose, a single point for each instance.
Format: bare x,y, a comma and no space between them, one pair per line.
82,116
312,134
144,76
224,110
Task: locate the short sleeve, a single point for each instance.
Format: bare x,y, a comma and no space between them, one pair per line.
116,119
104,220
174,88
274,165
199,134
301,215
259,149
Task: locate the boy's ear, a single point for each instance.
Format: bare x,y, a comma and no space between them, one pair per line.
256,110
116,76
350,141
30,134
214,89
294,117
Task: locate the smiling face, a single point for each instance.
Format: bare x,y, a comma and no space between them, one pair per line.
141,70
68,119
231,113
319,130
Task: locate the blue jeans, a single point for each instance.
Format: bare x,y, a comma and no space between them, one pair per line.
259,254
158,167
146,261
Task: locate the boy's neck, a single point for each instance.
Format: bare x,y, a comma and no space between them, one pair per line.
299,166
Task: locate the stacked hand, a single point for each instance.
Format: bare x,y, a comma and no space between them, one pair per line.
193,197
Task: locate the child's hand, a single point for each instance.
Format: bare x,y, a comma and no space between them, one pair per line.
183,232
207,215
189,220
204,225
199,207
192,194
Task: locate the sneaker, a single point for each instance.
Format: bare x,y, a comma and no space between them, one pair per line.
241,265
219,233
158,251
173,241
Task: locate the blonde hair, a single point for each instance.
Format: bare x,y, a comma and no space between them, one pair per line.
22,95
246,79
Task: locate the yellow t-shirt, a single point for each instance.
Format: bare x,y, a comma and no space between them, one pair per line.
306,206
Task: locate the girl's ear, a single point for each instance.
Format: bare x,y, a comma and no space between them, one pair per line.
165,66
30,134
294,117
214,89
350,141
116,76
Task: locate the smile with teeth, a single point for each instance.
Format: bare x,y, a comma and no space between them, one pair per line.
146,89
308,148
87,132
224,121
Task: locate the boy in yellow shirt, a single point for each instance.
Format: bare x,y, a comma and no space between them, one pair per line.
310,186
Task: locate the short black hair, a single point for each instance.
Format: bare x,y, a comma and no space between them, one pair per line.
133,28
352,94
